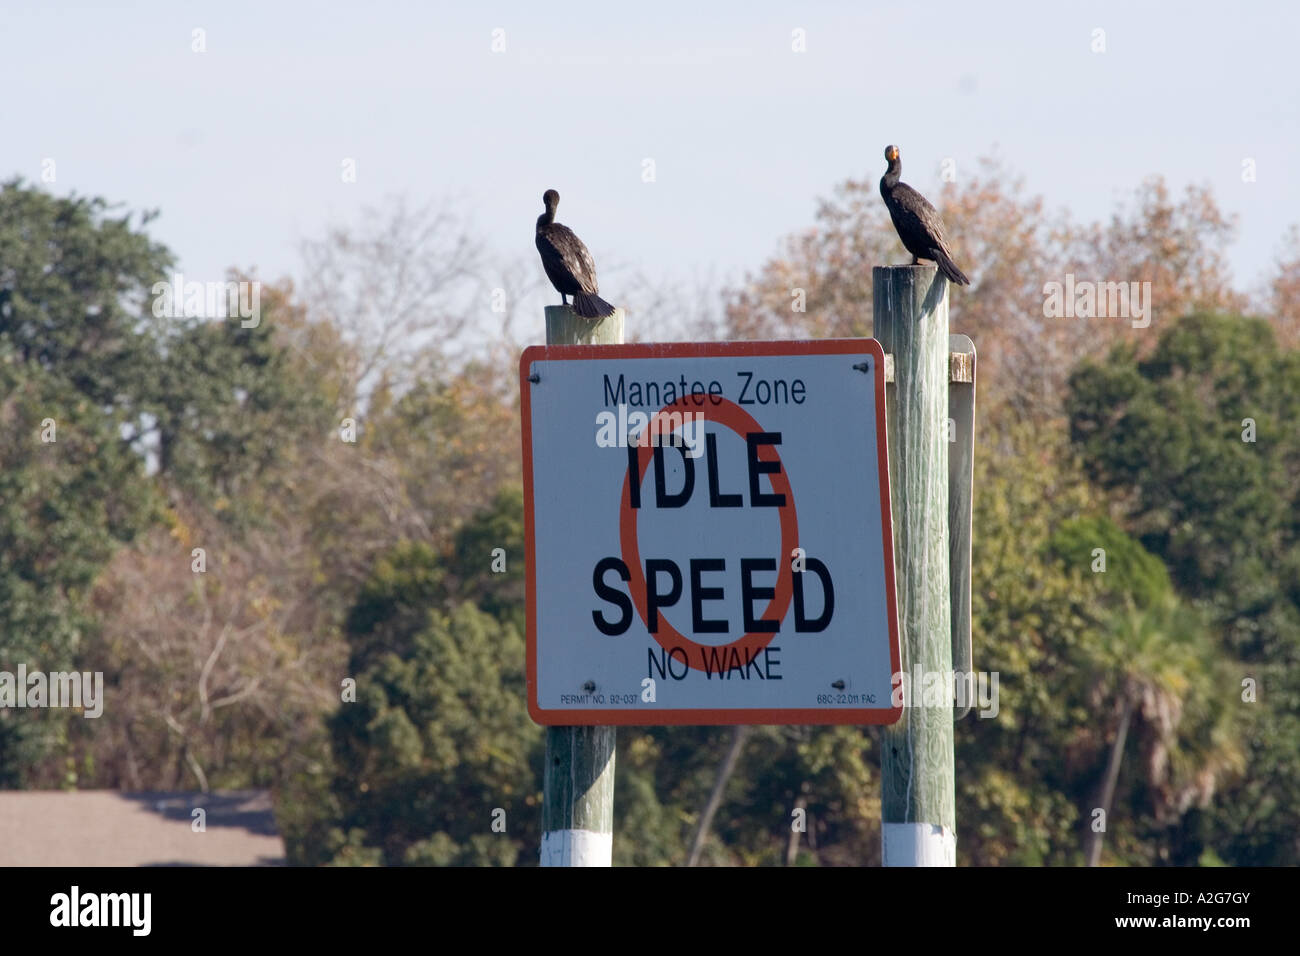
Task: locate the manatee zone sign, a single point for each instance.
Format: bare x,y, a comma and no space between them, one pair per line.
708,534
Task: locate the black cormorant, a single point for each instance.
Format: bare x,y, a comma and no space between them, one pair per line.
917,222
568,263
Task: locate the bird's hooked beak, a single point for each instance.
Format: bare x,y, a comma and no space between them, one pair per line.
891,154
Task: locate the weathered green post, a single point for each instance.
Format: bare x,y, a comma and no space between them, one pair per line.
578,781
917,804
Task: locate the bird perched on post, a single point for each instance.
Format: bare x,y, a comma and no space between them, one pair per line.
917,222
568,263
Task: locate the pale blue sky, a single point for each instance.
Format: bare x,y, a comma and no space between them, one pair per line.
240,147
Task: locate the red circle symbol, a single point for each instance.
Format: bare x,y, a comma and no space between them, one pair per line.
727,413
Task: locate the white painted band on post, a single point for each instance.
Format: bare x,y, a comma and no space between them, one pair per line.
577,848
919,844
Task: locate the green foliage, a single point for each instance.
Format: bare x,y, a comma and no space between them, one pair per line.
1031,614
65,506
436,742
68,349
225,413
1163,663
1131,571
1168,436
70,490
494,578
665,774
408,546
439,737
1167,432
454,440
74,281
394,604
229,408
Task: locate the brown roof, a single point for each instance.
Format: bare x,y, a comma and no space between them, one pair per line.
108,828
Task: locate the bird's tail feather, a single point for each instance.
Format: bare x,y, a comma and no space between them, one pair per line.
591,306
949,268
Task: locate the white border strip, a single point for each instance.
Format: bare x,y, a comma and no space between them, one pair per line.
577,848
918,844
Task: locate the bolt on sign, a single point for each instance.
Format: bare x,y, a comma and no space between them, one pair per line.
708,534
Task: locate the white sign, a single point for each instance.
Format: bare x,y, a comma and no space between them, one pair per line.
708,533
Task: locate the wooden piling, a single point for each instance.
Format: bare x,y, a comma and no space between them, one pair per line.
917,804
578,781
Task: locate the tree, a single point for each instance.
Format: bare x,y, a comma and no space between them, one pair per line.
1197,446
1003,240
488,559
438,738
407,279
1176,245
446,446
72,282
1282,304
820,283
231,408
1096,543
1034,605
438,744
1197,441
1157,669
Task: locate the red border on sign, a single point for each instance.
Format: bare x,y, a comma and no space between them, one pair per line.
652,716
